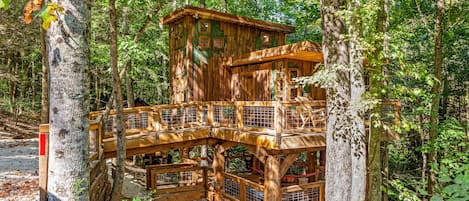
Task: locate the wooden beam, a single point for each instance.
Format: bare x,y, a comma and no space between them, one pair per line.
286,163
163,147
272,191
260,153
305,51
225,17
225,146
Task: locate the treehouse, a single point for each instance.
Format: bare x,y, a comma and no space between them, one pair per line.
232,85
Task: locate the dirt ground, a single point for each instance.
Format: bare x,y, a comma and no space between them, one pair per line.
18,168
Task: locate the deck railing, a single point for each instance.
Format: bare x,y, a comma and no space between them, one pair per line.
185,178
240,189
258,116
307,192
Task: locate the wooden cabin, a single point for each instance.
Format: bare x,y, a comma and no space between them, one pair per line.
200,39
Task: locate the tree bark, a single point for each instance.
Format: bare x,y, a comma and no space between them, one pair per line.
224,6
357,90
44,81
120,129
202,3
375,157
436,92
68,56
338,164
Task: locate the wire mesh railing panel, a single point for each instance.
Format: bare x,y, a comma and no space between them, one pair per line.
310,194
305,117
258,117
224,114
109,124
253,194
179,116
177,179
137,121
190,114
232,188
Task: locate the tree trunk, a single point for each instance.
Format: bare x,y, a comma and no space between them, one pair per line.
224,6
202,3
118,179
436,92
357,90
128,86
375,180
175,5
44,81
338,151
67,51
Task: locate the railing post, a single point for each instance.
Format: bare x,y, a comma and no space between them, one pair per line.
150,121
239,114
43,160
242,190
278,121
210,114
200,114
157,120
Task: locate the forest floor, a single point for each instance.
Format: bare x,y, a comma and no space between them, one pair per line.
18,158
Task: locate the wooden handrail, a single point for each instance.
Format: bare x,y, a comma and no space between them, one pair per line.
302,187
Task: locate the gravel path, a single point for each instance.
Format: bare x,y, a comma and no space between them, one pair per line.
18,169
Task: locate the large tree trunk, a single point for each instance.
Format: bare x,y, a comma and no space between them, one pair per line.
357,90
338,151
67,51
436,92
44,81
375,157
116,83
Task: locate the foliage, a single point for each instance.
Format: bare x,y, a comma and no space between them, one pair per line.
4,4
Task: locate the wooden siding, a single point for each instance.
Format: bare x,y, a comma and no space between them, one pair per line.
196,71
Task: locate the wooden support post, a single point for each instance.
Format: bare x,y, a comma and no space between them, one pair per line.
205,180
43,160
218,170
322,159
322,162
272,190
312,162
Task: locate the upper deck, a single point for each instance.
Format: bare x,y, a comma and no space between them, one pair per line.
272,125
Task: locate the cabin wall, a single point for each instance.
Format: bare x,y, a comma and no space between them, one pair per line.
197,49
273,81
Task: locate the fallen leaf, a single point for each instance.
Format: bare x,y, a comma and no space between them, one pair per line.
32,5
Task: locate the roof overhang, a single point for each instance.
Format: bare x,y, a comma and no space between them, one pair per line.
305,51
225,17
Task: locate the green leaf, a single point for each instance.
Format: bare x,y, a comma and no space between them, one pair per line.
451,189
4,4
436,198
